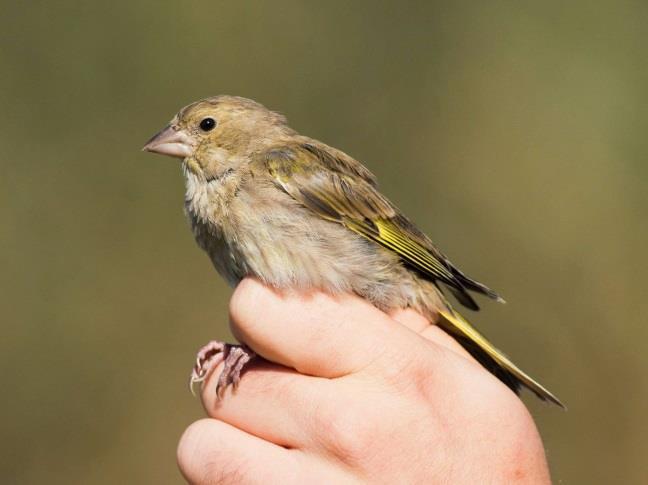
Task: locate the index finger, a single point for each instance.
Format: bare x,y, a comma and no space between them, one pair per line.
317,333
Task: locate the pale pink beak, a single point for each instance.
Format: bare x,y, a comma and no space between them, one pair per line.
170,141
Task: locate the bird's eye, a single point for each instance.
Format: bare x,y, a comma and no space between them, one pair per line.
207,124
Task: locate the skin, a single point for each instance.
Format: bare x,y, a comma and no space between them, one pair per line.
356,397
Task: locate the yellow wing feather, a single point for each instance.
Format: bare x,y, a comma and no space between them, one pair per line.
335,190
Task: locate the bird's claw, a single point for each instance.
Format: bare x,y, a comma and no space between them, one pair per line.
233,357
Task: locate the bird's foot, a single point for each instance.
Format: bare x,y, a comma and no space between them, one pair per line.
234,358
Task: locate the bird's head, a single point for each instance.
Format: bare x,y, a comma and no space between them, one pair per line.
216,129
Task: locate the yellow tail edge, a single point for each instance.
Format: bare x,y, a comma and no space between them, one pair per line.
464,328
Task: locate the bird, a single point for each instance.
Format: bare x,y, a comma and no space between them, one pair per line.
264,201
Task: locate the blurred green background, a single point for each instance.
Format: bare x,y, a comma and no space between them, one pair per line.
514,133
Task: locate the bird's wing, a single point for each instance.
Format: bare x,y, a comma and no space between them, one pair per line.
337,190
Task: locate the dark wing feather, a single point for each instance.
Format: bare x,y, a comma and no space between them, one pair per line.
340,189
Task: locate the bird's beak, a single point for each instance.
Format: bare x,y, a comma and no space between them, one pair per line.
170,141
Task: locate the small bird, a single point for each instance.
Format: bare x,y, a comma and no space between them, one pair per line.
267,202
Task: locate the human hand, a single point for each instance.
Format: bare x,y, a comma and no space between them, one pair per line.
350,396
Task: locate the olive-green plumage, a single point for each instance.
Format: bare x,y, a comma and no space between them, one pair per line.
264,201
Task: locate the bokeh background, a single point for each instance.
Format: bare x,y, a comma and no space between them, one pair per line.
514,133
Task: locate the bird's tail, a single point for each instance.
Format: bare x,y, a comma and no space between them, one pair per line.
490,357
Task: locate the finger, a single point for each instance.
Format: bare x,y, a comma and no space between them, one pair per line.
317,333
418,323
271,402
211,451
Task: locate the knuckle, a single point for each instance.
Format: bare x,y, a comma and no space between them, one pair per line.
410,375
348,435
